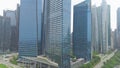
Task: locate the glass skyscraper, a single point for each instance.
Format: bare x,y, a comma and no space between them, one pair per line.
30,28
5,34
57,18
82,30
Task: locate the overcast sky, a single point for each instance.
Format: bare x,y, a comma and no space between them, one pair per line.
11,5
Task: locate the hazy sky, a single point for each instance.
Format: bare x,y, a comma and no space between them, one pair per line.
114,5
11,4
8,4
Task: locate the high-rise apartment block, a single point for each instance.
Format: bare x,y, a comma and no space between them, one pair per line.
101,28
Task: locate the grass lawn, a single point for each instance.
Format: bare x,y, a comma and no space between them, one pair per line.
3,66
115,60
14,60
92,63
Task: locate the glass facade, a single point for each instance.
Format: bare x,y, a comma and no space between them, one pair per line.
5,34
57,18
30,28
14,29
82,30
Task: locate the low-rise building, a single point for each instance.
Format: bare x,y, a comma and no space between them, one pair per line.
43,62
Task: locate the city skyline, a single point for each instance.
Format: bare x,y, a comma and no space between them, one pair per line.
59,33
11,5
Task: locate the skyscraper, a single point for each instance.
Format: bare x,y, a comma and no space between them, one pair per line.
30,28
14,29
100,35
118,27
104,27
82,30
95,36
57,17
105,24
118,20
5,34
109,26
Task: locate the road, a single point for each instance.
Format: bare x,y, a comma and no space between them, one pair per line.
104,59
7,63
118,66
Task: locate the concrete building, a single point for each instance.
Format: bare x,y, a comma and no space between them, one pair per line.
37,62
104,29
5,34
118,21
82,30
100,35
116,46
104,26
44,62
14,29
95,35
109,26
57,18
112,40
30,28
118,28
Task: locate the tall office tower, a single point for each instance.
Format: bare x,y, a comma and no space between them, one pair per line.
100,36
5,34
104,30
95,36
17,26
118,26
116,40
118,20
82,30
109,26
14,29
30,28
57,18
112,39
105,24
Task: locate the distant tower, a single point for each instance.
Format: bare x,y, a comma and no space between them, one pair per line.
104,26
118,28
95,27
